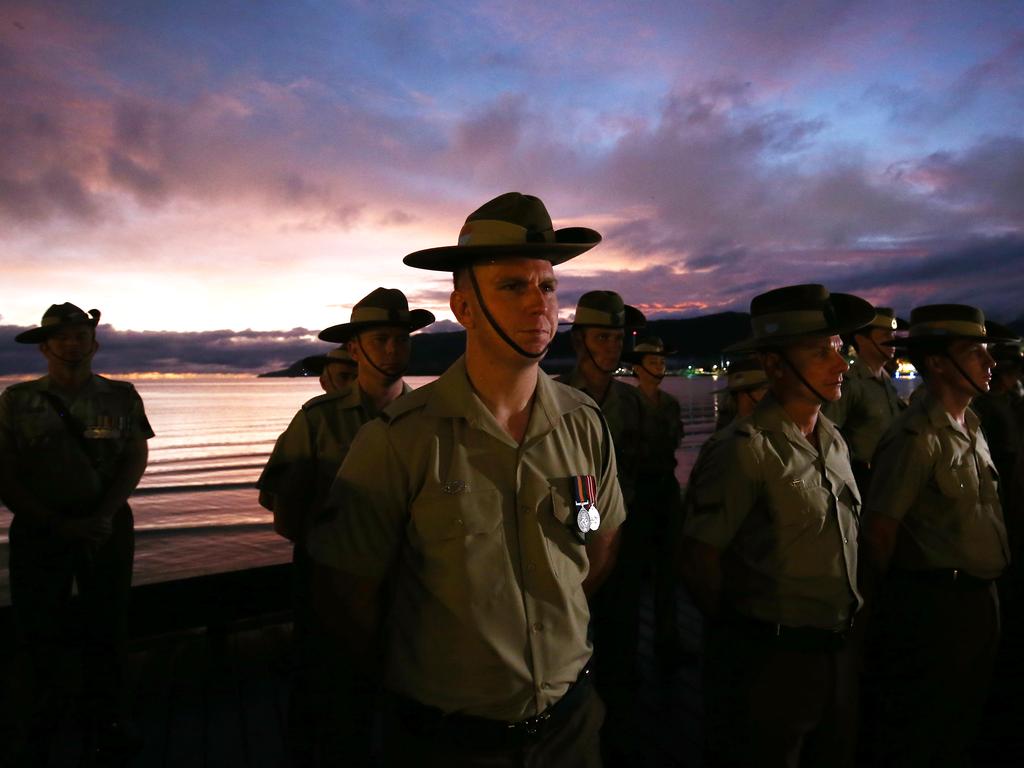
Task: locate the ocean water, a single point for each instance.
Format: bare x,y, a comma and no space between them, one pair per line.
196,508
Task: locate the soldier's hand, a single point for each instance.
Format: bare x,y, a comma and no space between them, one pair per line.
94,529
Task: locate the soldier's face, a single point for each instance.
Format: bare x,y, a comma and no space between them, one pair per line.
605,345
881,337
819,361
652,366
70,347
337,376
520,295
976,362
387,346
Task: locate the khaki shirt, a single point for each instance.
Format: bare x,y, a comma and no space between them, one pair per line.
662,432
623,410
487,613
938,480
866,409
62,471
784,515
307,455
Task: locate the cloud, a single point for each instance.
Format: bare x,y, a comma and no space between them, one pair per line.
168,351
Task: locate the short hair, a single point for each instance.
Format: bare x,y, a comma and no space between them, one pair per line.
918,355
459,277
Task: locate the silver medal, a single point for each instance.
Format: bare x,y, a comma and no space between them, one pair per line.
595,517
583,520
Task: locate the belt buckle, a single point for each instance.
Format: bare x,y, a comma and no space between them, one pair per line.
535,725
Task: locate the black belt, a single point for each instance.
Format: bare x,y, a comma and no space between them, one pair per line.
485,732
793,638
948,578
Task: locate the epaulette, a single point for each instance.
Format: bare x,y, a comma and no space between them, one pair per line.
326,397
115,383
407,403
575,397
22,385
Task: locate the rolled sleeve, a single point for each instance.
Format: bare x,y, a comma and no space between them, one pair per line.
290,473
368,508
723,490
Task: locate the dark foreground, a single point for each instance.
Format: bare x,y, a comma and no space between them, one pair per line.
215,694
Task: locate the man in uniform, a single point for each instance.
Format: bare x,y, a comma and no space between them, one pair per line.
599,330
72,449
769,551
658,502
336,369
935,542
869,401
745,385
474,518
295,483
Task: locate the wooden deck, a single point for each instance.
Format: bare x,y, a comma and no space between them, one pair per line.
216,696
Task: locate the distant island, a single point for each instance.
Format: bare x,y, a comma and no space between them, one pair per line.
700,341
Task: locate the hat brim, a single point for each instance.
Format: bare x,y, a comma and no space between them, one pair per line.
849,314
317,363
633,356
569,243
912,342
634,318
339,334
43,332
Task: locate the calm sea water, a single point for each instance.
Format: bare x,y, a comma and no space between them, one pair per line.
196,509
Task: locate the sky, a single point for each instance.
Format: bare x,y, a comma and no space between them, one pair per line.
231,167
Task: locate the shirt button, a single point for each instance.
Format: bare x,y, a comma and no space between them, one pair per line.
538,627
845,540
545,686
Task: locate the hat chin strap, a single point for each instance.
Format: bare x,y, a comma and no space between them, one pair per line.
962,372
594,361
800,376
652,374
497,328
377,368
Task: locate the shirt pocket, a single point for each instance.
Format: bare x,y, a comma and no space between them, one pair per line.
460,541
794,504
957,479
564,543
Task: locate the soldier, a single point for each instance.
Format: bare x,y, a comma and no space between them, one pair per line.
933,529
769,551
295,483
869,401
658,502
72,449
745,385
474,518
995,408
336,369
599,328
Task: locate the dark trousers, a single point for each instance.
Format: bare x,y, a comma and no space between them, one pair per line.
51,630
328,724
768,704
937,649
574,743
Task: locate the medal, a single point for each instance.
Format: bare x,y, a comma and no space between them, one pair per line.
583,520
584,492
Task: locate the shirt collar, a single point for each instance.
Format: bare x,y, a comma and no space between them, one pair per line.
940,418
453,397
770,416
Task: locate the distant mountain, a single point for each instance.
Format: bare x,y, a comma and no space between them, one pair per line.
700,340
